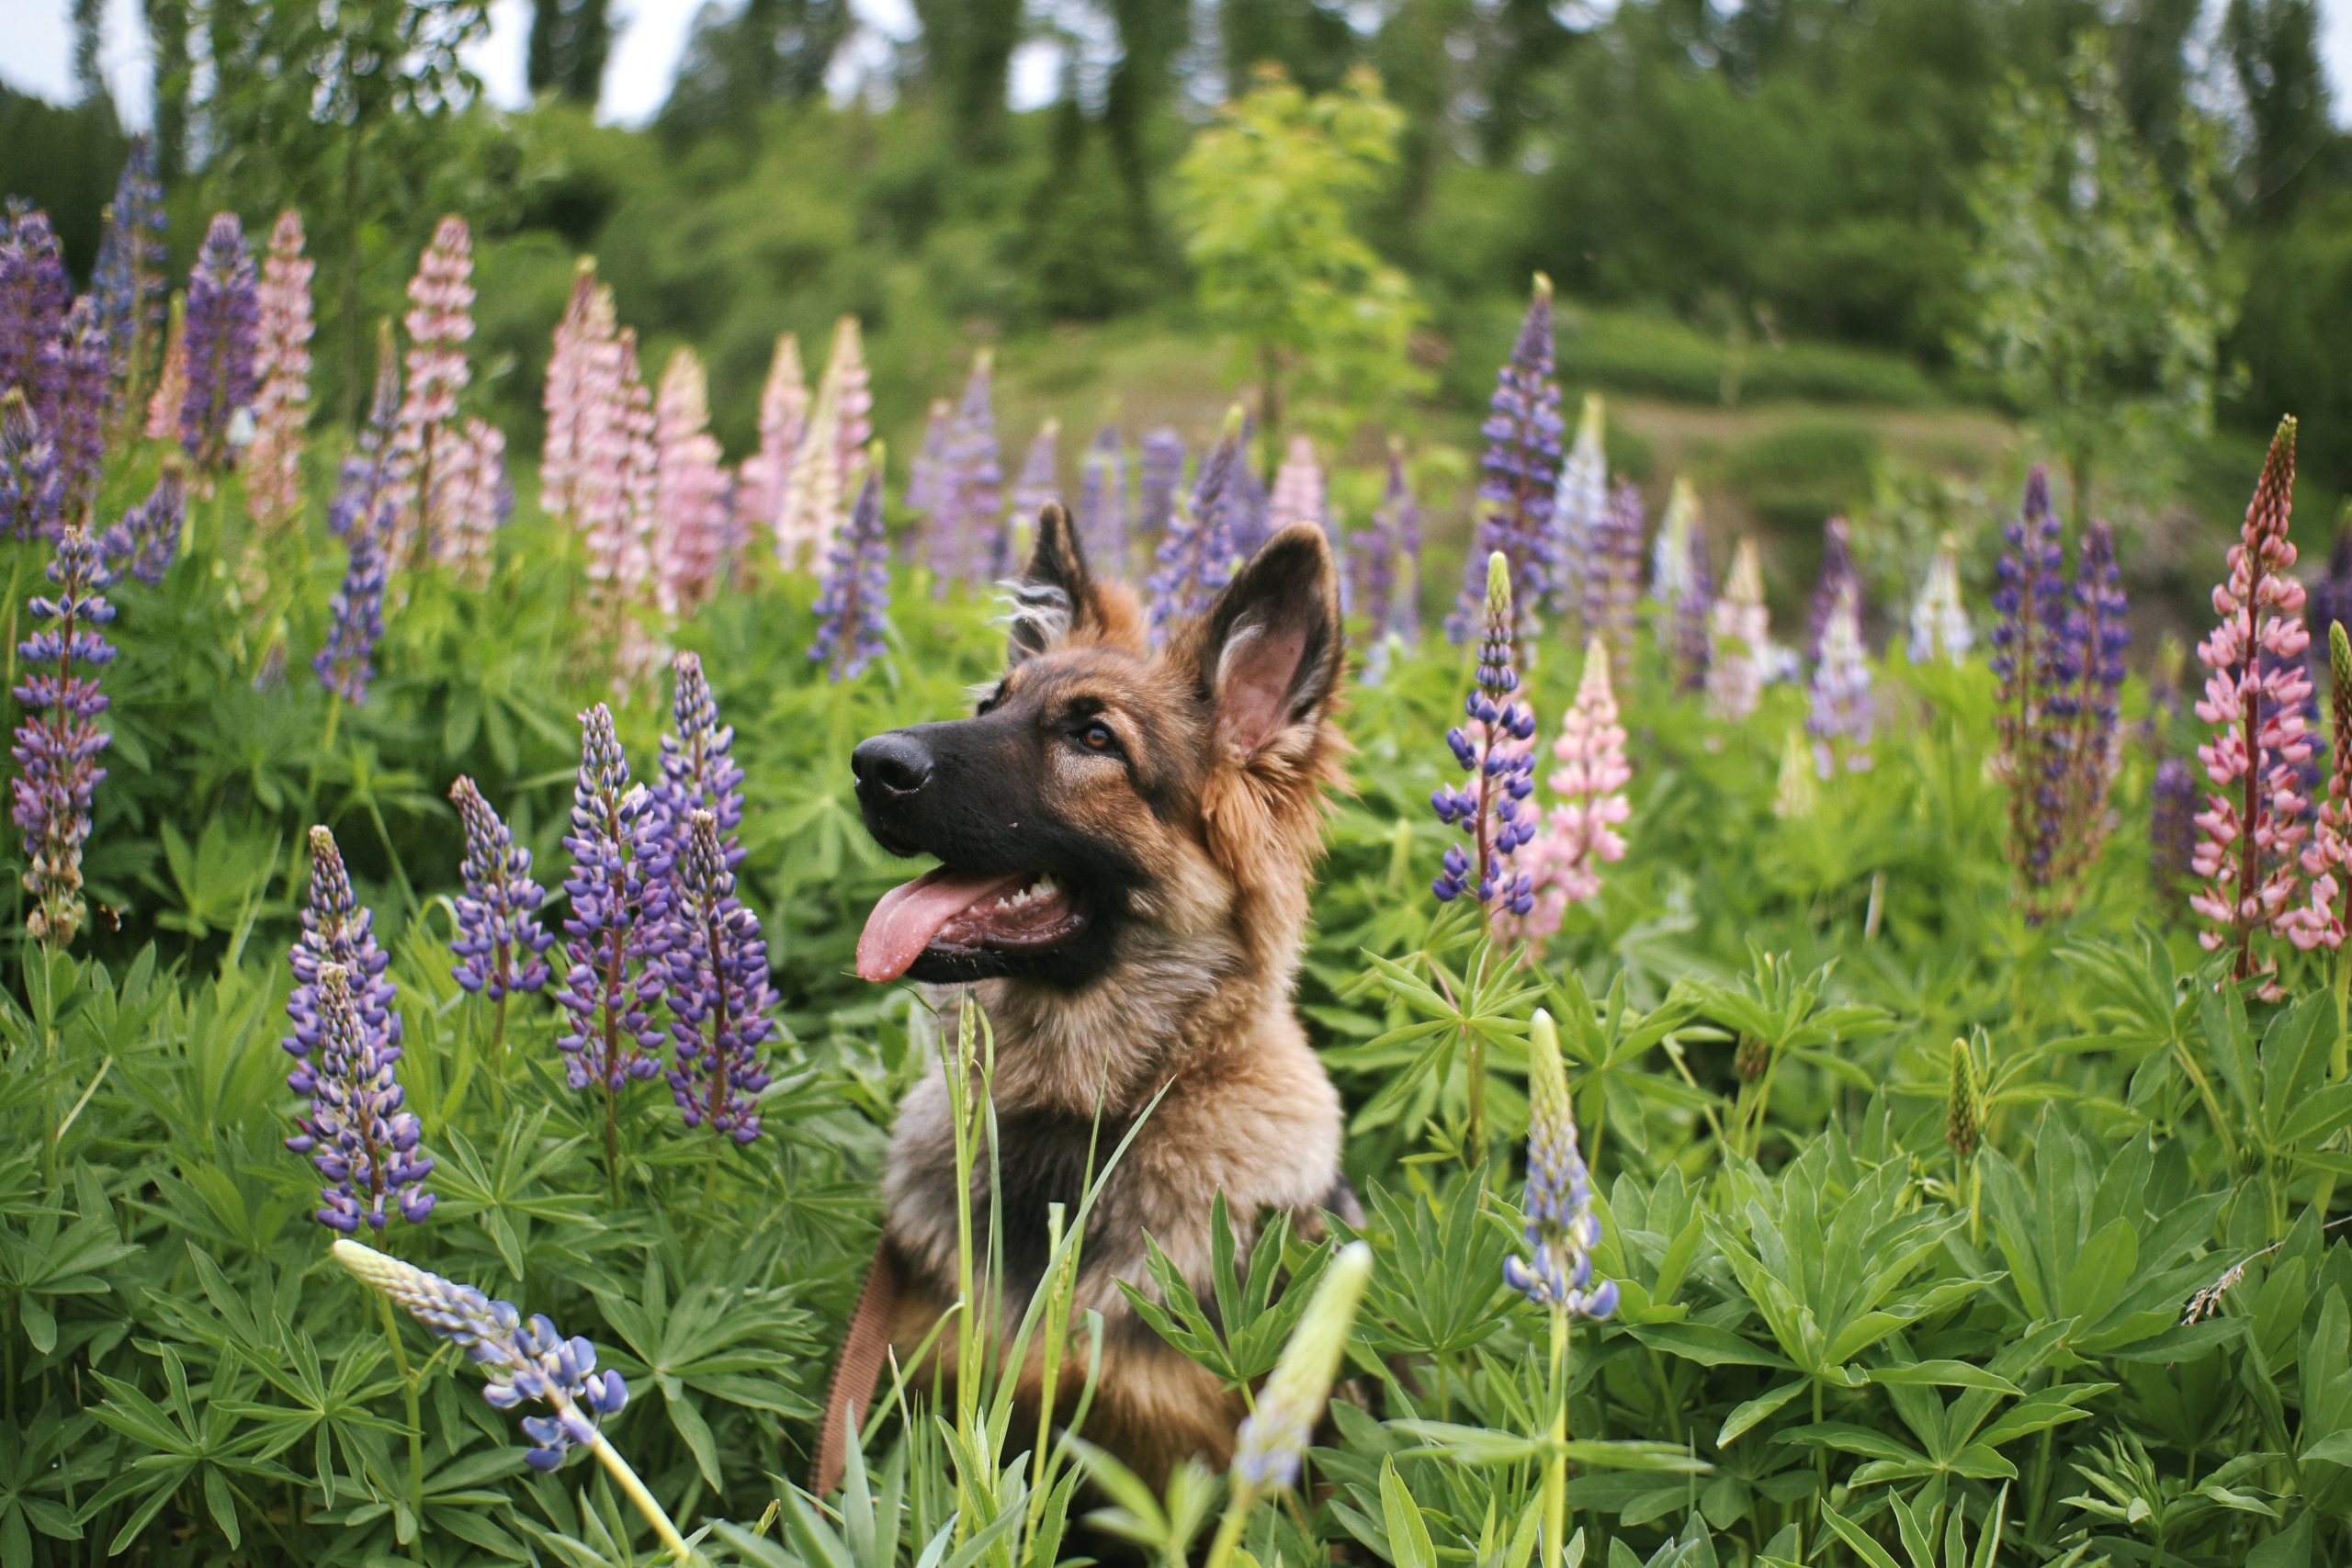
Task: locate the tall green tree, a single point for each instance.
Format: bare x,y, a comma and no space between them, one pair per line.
2097,313
173,76
769,52
2274,54
1310,39
966,49
1152,34
570,42
1315,314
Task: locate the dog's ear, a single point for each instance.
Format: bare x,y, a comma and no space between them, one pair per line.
1057,601
1269,654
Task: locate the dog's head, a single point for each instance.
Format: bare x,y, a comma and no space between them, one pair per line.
1100,786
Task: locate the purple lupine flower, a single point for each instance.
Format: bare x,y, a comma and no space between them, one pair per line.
925,493
2172,832
74,411
613,978
1694,608
2035,664
1578,505
524,1361
498,936
367,467
1195,555
32,490
2330,598
972,482
1498,746
346,664
224,327
1385,561
1102,502
1521,466
851,631
148,537
345,1045
699,768
2098,632
1838,575
1161,477
1248,508
1561,1229
34,295
1842,707
58,741
1040,480
357,1133
129,277
718,991
1610,574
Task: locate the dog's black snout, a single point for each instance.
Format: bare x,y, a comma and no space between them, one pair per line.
894,765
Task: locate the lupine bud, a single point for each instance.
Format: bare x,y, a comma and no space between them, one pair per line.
526,1363
1939,630
830,452
1561,1229
1274,1437
613,979
1521,467
1966,1124
1578,505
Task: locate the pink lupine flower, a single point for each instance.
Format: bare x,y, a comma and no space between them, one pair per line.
171,382
2320,923
762,480
1843,713
1580,834
470,502
440,322
690,510
1738,628
578,373
1298,489
1040,478
831,454
282,363
2248,848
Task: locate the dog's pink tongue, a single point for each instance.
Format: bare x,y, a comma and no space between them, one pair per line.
907,917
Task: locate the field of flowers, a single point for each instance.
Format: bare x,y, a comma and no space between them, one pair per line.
1811,1104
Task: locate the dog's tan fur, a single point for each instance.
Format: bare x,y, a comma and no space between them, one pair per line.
1229,727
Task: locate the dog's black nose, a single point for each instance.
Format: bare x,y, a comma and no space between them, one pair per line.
896,763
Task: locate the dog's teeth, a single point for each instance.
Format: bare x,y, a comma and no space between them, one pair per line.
1043,888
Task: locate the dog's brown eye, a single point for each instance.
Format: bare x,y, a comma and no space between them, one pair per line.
1097,737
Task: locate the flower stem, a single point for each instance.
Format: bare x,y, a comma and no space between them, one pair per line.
1228,1529
415,1424
1556,1469
627,1480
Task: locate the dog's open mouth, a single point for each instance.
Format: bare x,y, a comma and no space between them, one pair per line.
951,912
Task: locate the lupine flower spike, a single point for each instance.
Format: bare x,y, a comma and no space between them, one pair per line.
34,297
1389,595
1161,477
1839,577
171,379
223,323
345,663
1273,1440
574,398
1612,571
1682,580
690,519
526,1363
57,741
1040,480
852,632
1580,836
129,277
831,448
699,768
2091,744
346,1044
1521,468
1298,489
762,480
2252,828
499,940
1578,505
474,501
148,537
611,982
1102,502
2030,655
1939,629
1498,747
1843,714
32,490
2320,923
1196,556
73,407
1561,1229
282,365
440,323
972,480
718,991
926,491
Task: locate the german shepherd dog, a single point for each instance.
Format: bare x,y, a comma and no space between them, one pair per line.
1126,840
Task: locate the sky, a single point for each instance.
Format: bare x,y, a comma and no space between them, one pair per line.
37,53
